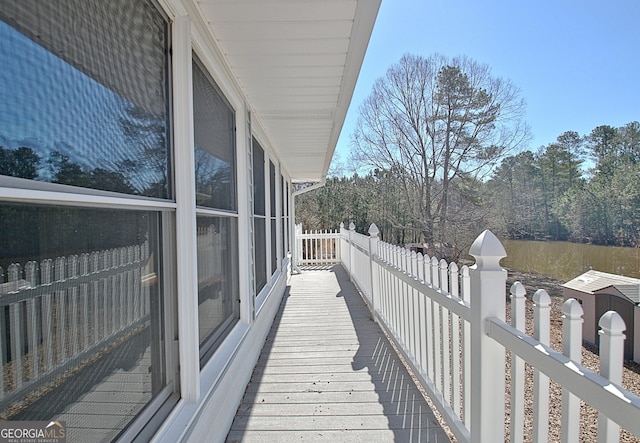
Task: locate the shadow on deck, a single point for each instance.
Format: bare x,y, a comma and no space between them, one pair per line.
328,373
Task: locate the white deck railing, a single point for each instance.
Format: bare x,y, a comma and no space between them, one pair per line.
318,248
449,324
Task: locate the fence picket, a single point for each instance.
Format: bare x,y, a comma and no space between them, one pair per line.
541,332
14,273
114,296
104,292
572,348
84,301
437,328
122,284
611,359
46,279
430,333
465,288
60,308
73,271
95,267
421,357
404,298
131,259
455,342
137,272
33,335
446,334
518,311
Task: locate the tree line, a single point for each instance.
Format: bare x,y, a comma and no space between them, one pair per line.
580,188
443,143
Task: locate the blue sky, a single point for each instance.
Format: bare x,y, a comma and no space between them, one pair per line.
577,63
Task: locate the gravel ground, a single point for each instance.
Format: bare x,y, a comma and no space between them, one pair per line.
590,359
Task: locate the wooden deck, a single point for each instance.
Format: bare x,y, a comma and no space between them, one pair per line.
328,373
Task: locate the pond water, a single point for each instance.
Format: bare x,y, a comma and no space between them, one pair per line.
565,261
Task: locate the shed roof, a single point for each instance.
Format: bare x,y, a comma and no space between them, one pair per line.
595,281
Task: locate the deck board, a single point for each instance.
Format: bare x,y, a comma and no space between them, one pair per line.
328,373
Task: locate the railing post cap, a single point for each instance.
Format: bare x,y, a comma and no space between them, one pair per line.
612,322
488,251
487,245
373,230
352,226
572,309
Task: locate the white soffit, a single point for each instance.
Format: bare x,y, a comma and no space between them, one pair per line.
297,61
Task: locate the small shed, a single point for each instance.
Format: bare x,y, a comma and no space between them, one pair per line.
599,292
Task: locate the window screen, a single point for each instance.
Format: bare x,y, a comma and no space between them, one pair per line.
259,216
274,231
83,88
214,128
81,293
218,293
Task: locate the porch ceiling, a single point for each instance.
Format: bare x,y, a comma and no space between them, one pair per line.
297,61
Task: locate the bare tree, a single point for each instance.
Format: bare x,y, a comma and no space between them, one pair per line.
440,124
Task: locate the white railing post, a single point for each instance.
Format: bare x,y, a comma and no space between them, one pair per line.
488,284
518,309
373,253
297,250
571,347
340,241
611,362
352,231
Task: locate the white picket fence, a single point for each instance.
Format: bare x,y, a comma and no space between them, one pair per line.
317,248
58,313
449,324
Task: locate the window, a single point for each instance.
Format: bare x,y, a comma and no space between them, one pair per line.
259,216
214,128
274,230
86,108
83,296
84,290
217,224
283,215
218,294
